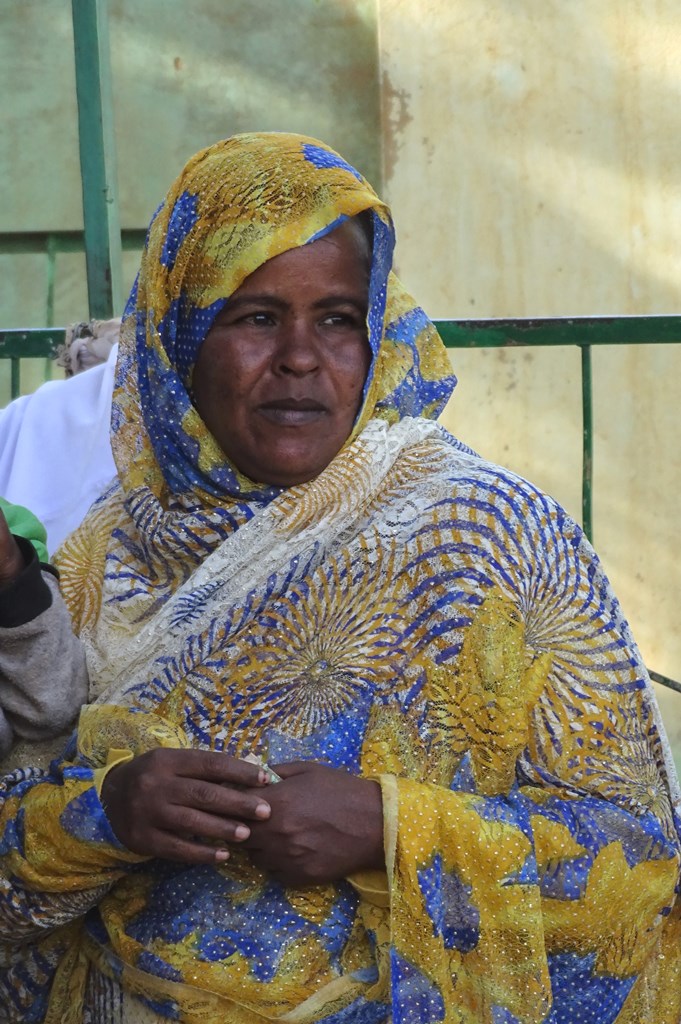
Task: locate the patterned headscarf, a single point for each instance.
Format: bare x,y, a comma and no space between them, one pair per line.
236,205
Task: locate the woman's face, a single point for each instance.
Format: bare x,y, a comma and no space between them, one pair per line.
278,379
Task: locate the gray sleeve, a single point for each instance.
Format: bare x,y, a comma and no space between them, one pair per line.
43,676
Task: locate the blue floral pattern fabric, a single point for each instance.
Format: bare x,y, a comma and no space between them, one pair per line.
414,615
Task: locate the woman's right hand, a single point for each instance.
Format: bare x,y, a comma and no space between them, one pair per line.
182,804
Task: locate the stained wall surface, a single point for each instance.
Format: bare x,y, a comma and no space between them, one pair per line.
532,153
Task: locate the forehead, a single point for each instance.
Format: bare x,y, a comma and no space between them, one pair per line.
339,261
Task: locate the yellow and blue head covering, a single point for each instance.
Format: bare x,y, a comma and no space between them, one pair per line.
236,205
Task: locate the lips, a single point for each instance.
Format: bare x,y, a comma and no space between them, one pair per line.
293,412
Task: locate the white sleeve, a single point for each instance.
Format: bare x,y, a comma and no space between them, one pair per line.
55,452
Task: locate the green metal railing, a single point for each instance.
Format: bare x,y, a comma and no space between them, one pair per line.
29,344
34,343
584,332
97,156
50,244
101,238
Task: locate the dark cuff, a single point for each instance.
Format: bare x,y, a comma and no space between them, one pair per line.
29,595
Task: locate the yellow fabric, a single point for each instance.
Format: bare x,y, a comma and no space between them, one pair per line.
113,758
414,615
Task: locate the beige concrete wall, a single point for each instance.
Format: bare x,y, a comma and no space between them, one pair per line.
532,154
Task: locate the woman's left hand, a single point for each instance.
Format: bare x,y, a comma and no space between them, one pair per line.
325,824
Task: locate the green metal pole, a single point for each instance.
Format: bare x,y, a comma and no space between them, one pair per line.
671,684
97,157
587,442
51,254
15,376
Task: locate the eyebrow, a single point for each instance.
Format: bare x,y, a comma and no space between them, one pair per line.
340,300
265,299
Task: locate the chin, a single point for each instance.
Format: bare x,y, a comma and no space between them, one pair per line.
279,474
289,469
292,479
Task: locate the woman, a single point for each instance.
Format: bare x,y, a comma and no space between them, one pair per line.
471,814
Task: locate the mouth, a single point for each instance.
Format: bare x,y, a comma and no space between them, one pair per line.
293,412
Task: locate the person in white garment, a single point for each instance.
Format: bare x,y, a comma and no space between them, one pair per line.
55,453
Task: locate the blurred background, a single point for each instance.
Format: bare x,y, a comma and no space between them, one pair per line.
530,153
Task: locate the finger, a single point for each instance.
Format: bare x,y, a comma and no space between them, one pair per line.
207,826
218,767
216,799
169,846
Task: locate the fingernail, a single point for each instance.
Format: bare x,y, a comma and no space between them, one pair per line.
221,856
263,811
263,777
241,832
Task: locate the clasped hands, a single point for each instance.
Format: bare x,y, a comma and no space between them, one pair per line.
317,825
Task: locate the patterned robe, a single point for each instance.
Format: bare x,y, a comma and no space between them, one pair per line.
414,615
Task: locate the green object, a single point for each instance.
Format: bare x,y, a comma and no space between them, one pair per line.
97,157
28,344
13,243
581,331
587,442
23,523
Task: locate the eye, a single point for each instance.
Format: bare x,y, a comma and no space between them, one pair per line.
258,319
350,320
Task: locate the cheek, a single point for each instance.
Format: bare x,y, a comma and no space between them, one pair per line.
226,369
213,387
356,376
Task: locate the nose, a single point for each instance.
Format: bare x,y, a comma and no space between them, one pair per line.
297,350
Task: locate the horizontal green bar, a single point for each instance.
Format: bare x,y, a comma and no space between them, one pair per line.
626,330
580,330
35,342
665,681
17,242
31,343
